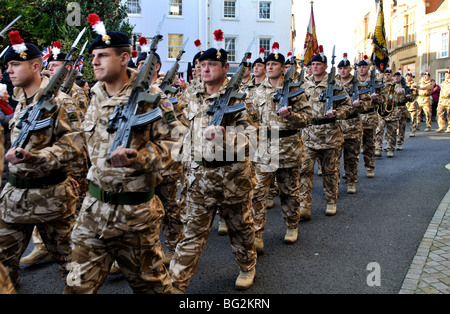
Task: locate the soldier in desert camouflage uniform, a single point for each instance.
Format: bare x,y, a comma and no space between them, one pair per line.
424,100
402,110
322,140
120,219
214,185
78,172
39,192
351,127
369,119
444,104
287,172
412,106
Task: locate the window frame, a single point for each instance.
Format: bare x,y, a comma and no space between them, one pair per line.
235,10
230,52
179,4
169,40
138,3
271,11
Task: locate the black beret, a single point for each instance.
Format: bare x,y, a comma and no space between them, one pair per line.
362,62
277,57
259,60
143,56
131,64
31,53
319,58
388,71
197,55
212,54
344,63
60,57
112,40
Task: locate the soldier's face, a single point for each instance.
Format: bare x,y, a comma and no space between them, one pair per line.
274,69
397,79
22,73
344,72
447,76
363,70
388,76
54,66
213,72
108,65
318,68
259,69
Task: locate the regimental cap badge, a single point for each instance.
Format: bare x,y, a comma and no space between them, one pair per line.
18,44
218,38
276,49
99,27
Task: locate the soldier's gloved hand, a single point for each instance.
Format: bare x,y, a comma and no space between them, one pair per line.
285,111
17,156
213,132
356,103
123,157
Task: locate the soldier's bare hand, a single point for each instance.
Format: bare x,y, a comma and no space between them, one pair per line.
17,156
123,157
213,132
356,103
374,96
330,114
285,111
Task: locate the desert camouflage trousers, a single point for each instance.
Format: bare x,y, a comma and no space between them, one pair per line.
139,254
390,136
426,107
350,151
404,115
6,286
330,161
198,219
368,148
441,118
288,180
171,225
14,239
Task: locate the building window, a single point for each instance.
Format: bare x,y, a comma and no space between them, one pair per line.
134,6
175,45
265,43
265,10
444,46
440,77
230,46
176,7
229,9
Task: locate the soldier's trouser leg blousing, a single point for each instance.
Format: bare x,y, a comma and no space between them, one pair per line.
351,150
368,148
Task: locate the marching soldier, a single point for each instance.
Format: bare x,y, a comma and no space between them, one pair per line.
213,185
369,119
402,110
39,192
424,101
120,218
412,104
289,121
351,126
323,139
444,104
78,172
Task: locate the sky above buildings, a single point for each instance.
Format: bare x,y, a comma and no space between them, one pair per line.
335,24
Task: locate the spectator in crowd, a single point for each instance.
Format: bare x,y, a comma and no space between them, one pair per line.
435,98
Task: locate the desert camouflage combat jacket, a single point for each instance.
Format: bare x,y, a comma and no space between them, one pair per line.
369,118
153,142
412,104
444,97
425,88
398,97
327,135
80,99
53,150
290,145
352,124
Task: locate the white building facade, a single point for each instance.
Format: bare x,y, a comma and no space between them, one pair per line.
265,21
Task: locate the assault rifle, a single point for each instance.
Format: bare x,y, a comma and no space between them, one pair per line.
74,72
220,106
2,33
30,121
374,82
327,96
125,119
166,85
283,95
355,91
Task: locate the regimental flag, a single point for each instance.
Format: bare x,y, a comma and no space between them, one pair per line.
311,44
46,54
380,55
